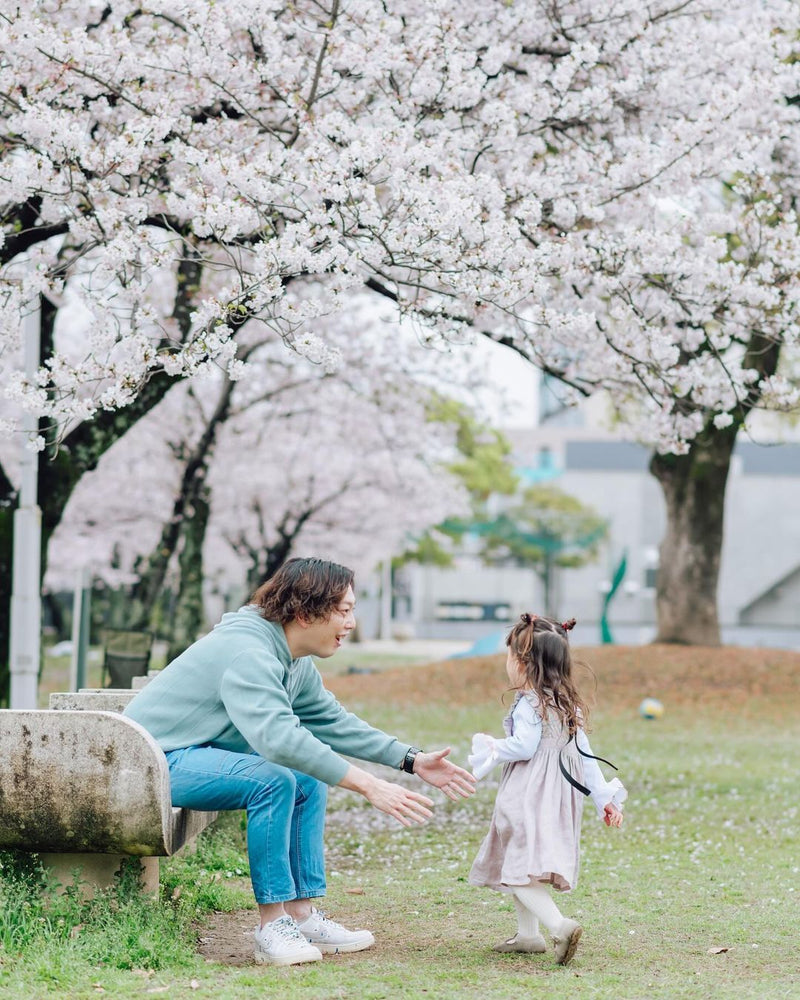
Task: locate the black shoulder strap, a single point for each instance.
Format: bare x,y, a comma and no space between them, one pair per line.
573,781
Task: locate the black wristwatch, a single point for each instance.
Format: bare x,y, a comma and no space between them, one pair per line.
408,760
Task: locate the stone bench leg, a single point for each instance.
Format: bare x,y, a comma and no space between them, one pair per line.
97,871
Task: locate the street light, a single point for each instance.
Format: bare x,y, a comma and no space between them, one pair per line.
26,601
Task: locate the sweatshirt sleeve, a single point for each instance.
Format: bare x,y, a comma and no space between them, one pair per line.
308,735
341,730
258,705
601,791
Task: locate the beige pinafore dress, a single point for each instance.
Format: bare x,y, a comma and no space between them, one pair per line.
535,829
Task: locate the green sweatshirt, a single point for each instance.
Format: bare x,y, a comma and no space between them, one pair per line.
238,688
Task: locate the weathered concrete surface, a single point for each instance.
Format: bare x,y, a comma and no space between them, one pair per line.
92,699
137,683
83,781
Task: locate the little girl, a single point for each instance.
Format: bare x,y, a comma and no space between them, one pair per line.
533,838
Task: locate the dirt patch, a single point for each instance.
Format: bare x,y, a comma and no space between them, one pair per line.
227,938
683,674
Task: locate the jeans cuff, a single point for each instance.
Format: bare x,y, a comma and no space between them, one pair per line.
317,893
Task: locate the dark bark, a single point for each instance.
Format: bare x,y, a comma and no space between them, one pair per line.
191,495
185,531
694,491
62,464
28,229
264,562
189,617
54,610
266,559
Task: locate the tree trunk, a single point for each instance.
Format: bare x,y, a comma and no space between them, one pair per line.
62,463
189,618
191,491
688,572
151,570
267,561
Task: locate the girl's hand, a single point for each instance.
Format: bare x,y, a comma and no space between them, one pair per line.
453,780
613,816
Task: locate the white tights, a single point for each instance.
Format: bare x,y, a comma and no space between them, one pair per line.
534,903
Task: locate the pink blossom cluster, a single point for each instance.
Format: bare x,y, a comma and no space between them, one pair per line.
606,186
349,465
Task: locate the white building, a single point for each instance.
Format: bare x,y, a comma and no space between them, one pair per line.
759,590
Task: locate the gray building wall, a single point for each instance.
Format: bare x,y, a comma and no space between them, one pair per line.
762,537
759,591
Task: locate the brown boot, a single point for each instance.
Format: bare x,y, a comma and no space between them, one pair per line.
526,945
566,940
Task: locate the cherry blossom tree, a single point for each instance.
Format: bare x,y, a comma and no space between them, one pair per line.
495,169
733,322
225,480
457,158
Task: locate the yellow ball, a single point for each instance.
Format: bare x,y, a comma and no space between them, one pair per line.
651,708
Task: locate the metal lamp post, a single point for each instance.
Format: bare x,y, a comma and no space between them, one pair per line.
26,601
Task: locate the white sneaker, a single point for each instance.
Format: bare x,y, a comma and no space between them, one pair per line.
281,943
330,937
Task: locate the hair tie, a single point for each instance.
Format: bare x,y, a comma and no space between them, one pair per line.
568,625
527,619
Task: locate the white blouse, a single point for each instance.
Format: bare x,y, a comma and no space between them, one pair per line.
522,744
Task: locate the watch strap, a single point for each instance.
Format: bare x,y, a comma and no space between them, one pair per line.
408,760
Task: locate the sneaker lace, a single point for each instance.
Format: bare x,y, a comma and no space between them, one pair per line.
328,924
286,928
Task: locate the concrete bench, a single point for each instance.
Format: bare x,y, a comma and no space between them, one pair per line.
86,788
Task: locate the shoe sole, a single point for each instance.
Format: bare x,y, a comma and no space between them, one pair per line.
572,945
515,947
343,949
263,959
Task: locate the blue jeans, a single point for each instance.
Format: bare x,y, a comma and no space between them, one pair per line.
285,815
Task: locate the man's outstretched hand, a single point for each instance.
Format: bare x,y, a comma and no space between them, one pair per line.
453,780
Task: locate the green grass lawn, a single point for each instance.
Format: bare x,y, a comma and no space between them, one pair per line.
698,896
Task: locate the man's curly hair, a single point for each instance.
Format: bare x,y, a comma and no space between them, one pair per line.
303,588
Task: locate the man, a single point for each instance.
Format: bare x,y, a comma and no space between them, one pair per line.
246,723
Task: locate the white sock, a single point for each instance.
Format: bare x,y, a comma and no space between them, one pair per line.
538,900
527,922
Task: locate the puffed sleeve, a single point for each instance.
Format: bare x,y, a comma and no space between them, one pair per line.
602,792
487,751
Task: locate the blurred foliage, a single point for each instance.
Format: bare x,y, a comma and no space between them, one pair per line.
485,468
537,526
